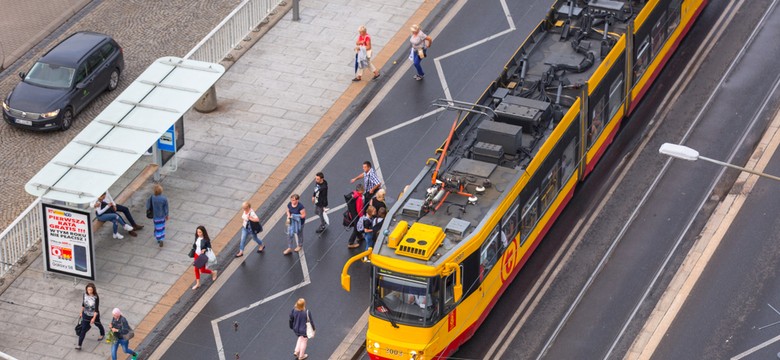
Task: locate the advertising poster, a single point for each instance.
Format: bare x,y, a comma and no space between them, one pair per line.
67,241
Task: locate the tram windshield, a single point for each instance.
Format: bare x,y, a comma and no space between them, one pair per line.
412,300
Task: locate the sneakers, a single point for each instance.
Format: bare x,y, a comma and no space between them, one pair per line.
287,252
78,347
118,236
353,246
418,77
135,356
298,248
127,227
320,229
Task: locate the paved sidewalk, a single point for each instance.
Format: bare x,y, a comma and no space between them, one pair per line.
279,95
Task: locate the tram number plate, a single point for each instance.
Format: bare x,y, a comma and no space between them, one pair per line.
395,352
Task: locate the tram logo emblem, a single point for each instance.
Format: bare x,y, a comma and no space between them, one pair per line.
509,261
452,319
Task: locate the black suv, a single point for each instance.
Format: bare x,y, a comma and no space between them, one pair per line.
64,81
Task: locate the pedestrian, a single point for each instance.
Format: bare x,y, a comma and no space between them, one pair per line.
320,199
355,208
158,203
90,313
121,330
371,182
202,246
251,222
367,226
296,218
420,44
103,213
298,319
378,201
364,55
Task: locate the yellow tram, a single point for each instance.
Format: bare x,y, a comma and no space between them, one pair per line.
459,235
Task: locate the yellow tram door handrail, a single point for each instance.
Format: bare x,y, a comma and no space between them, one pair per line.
457,290
345,278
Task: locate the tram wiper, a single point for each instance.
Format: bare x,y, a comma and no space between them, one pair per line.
389,312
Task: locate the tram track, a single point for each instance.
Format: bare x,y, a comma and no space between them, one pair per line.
562,256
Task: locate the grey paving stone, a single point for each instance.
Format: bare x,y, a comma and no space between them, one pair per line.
294,135
239,184
263,138
199,207
148,263
209,221
159,277
302,117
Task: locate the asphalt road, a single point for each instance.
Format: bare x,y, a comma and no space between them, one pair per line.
732,310
635,217
272,282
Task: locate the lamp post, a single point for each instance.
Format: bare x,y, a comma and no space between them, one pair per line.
686,153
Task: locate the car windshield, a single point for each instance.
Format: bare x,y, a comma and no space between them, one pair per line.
49,75
406,299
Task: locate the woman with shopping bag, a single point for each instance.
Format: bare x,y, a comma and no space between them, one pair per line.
302,325
202,255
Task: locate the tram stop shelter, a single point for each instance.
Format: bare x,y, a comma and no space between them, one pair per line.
143,113
143,116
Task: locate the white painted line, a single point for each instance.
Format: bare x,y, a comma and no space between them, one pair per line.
757,347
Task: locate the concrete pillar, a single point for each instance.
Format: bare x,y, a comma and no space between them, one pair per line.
208,102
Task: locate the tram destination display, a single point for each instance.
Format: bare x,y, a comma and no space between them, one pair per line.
67,241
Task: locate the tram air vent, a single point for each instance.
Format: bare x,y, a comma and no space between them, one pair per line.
421,241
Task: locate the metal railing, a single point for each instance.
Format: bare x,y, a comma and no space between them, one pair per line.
20,236
234,29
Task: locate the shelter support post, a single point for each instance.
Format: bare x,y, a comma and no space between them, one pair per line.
208,102
296,13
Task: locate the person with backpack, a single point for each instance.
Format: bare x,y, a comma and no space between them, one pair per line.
366,226
353,213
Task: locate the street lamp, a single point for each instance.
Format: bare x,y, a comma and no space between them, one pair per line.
686,153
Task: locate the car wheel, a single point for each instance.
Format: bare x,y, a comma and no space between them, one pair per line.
67,119
113,81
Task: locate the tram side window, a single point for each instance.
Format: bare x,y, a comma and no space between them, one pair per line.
642,58
449,292
550,185
597,121
659,34
615,95
509,226
530,216
489,254
674,16
569,159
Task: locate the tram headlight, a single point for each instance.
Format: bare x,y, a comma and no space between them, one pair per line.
414,355
376,345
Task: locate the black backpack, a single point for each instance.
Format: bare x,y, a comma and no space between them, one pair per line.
351,213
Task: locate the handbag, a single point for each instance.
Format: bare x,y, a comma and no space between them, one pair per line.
78,326
256,227
192,251
421,53
200,261
149,210
309,328
212,258
130,334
